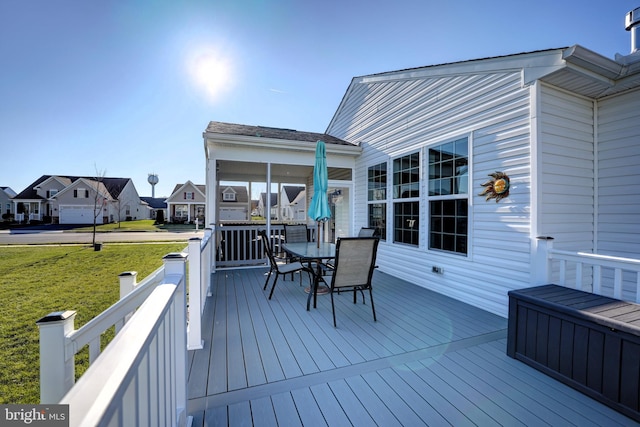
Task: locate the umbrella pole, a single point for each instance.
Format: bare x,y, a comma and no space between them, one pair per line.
318,234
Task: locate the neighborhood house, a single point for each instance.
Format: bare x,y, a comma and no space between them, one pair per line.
6,206
462,166
62,199
186,203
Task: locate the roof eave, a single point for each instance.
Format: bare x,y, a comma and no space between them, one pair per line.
587,59
277,143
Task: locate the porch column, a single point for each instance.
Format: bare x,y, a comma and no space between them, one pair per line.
541,274
268,197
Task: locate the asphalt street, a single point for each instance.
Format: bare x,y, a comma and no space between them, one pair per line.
34,237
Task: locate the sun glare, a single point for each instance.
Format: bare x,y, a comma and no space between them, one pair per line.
211,72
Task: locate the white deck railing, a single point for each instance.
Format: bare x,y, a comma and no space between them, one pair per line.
142,373
240,245
201,259
19,217
615,277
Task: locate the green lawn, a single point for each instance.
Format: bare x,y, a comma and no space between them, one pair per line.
38,280
138,225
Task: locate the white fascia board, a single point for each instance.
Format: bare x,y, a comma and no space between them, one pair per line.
213,141
74,184
337,113
534,65
50,179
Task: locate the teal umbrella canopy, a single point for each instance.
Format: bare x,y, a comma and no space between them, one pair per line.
319,209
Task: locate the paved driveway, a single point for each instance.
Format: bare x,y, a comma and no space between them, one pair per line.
51,236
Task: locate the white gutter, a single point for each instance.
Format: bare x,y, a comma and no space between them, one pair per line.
278,144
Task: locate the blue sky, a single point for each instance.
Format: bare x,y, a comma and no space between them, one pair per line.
126,88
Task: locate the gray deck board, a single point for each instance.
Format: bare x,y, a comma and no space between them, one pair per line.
308,408
428,360
285,410
262,410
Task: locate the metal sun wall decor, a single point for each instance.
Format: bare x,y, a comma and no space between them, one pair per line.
497,187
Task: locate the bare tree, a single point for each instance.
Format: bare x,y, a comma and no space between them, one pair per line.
99,201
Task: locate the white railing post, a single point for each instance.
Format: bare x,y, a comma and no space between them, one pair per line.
127,282
216,247
212,258
194,328
541,274
176,264
57,370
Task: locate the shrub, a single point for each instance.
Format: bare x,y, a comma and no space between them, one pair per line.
160,217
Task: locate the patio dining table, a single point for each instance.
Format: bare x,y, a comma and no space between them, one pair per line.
310,252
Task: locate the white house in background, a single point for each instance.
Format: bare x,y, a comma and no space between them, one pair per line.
273,205
6,205
462,166
293,203
234,203
186,203
78,200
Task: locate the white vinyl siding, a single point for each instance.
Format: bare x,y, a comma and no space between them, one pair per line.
618,178
566,179
394,118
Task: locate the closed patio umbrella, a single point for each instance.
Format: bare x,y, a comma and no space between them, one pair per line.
319,209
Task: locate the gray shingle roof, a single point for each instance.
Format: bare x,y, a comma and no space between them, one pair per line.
156,202
113,185
269,132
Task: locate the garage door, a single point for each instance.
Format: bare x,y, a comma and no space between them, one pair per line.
70,214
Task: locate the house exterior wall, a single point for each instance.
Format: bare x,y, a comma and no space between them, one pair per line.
52,185
618,208
565,173
128,197
88,204
6,204
392,118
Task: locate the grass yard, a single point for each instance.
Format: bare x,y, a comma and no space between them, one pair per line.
137,225
38,280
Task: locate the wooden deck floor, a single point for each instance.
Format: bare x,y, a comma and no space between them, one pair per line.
428,360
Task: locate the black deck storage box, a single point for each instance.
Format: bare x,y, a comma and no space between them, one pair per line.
587,341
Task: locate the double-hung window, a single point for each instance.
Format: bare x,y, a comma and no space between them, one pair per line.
377,198
449,196
406,199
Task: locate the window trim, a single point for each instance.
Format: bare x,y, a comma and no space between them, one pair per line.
384,201
419,198
468,196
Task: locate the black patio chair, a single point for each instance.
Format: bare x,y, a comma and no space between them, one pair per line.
367,232
295,233
279,268
353,269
